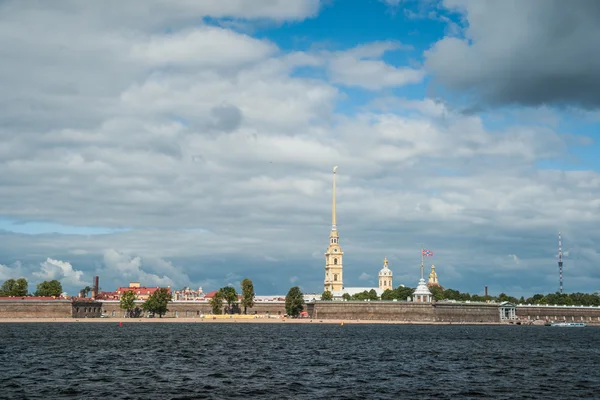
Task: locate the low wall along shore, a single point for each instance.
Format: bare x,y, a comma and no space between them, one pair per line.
51,308
377,311
404,311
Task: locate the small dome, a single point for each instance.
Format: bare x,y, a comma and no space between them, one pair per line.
385,271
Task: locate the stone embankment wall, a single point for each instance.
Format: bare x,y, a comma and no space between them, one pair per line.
559,313
405,311
466,312
195,309
54,308
372,310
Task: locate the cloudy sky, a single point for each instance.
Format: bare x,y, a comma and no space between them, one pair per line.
181,142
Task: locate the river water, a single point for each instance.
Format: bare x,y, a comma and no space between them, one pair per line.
296,361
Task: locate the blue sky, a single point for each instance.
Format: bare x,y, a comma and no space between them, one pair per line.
193,145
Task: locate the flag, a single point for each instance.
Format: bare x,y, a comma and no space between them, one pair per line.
427,253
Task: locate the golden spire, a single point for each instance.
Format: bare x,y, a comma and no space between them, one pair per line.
385,261
333,221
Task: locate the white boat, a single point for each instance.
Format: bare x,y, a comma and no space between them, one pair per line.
569,324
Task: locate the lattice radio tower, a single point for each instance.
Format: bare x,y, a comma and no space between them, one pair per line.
560,262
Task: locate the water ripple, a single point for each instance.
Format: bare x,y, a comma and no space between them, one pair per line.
216,361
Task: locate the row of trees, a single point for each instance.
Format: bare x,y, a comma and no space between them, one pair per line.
403,293
294,300
156,304
229,295
19,288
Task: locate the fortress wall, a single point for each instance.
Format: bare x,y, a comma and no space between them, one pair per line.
194,309
466,312
35,309
372,310
558,313
86,309
48,309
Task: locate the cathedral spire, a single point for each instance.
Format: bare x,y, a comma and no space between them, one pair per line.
333,221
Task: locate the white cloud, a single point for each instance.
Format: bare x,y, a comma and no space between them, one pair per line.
362,67
60,270
364,277
203,47
129,268
220,161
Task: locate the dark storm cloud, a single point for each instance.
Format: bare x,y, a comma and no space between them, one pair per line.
523,52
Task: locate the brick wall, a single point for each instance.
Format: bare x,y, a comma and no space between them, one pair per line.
35,309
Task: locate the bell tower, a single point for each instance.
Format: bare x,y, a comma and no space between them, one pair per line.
334,253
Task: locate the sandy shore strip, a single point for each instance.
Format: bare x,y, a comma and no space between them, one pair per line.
232,320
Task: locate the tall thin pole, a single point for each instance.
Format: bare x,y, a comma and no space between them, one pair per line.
560,263
422,262
333,219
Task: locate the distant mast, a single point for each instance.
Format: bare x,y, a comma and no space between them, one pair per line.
560,263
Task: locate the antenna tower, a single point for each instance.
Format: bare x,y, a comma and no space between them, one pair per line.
560,262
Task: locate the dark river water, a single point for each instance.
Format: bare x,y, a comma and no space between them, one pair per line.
297,361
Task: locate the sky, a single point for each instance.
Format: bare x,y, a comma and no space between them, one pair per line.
188,143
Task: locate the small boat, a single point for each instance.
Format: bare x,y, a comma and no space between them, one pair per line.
569,324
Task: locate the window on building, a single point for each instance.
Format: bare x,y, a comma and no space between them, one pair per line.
335,261
335,277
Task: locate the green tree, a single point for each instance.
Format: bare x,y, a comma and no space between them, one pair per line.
7,287
403,293
12,287
85,291
157,302
388,294
437,292
247,294
49,289
294,302
128,302
346,297
327,295
230,296
373,295
217,303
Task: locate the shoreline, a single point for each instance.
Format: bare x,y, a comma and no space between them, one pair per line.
236,320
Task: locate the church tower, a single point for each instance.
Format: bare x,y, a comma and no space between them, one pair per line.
333,256
385,277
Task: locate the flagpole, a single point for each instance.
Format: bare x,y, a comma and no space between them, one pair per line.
422,261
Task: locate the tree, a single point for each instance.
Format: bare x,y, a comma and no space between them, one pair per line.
294,302
230,296
12,287
85,291
327,295
437,292
346,297
128,302
157,302
402,293
247,294
7,287
52,288
388,294
217,303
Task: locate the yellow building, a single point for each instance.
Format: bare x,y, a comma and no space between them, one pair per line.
385,277
333,256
